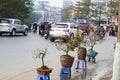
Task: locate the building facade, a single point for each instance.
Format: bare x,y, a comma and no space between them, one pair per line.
67,3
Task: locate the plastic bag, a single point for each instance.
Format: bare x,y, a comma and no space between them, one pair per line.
91,53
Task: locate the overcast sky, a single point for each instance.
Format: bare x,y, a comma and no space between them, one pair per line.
59,3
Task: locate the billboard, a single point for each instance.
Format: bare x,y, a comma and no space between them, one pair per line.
81,21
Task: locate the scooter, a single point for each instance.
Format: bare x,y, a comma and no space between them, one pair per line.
34,31
41,32
46,36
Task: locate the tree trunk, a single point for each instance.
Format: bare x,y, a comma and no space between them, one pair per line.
116,64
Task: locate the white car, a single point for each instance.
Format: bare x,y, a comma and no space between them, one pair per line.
63,31
12,26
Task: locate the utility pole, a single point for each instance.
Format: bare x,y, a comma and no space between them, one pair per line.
116,65
111,9
100,15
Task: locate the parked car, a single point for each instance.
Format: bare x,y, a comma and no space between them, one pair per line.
63,31
12,26
85,27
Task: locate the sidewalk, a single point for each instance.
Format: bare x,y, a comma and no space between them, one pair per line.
104,60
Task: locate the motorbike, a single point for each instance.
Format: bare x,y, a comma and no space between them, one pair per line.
41,32
34,31
46,35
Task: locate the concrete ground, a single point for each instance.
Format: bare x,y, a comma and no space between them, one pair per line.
104,59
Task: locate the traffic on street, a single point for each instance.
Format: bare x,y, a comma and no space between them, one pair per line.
44,38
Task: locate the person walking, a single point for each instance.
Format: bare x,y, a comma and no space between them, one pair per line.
35,27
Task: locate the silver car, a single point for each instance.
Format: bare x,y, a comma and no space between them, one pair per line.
12,26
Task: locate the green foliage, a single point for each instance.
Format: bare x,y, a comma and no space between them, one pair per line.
15,8
28,24
64,47
113,5
76,42
71,44
65,14
33,17
112,9
82,9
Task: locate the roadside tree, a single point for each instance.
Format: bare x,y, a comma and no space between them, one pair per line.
116,65
15,8
82,9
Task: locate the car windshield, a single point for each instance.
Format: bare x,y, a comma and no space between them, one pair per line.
5,21
60,26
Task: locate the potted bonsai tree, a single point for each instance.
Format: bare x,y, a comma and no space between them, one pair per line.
76,42
90,52
40,54
66,59
81,53
70,45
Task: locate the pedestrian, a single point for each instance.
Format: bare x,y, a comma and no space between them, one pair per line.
111,31
35,27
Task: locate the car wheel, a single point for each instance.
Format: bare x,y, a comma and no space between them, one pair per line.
42,34
64,40
52,39
46,37
13,33
39,32
25,32
0,34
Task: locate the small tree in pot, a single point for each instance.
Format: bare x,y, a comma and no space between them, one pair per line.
40,54
66,59
90,52
81,53
76,43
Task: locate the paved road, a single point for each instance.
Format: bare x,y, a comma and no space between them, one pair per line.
16,54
